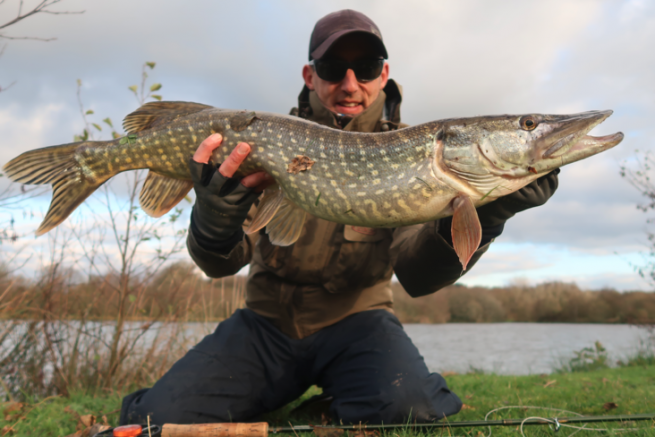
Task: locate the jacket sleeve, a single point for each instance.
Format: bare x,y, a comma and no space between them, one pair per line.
424,261
217,261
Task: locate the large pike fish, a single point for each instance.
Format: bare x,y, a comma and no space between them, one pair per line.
397,178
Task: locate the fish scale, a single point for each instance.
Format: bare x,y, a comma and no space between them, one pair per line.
390,179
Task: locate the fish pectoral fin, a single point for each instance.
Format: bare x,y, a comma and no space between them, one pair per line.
154,114
466,230
161,193
268,206
285,228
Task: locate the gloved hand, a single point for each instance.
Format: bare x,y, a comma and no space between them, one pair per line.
222,204
534,194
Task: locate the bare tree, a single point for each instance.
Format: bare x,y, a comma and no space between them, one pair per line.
10,198
42,7
642,176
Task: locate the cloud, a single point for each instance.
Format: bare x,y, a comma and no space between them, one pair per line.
534,263
454,59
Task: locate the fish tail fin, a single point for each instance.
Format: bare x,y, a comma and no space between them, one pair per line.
54,165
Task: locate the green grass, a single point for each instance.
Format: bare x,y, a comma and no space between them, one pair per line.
632,389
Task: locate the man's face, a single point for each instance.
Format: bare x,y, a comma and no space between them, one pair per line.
348,96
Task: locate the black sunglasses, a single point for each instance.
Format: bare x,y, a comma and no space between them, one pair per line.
335,70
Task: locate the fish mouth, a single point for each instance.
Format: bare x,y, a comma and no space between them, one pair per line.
570,142
567,130
589,146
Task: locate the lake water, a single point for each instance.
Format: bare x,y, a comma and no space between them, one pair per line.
509,348
518,348
502,348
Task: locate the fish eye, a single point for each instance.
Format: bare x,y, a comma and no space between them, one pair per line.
528,122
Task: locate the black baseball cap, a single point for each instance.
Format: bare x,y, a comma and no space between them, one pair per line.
337,24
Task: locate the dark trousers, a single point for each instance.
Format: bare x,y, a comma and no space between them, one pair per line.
247,367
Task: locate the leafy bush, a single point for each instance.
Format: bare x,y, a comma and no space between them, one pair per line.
586,360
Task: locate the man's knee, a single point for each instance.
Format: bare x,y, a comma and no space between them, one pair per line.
132,410
141,405
419,400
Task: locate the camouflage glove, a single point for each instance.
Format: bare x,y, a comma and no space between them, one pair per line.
221,207
536,193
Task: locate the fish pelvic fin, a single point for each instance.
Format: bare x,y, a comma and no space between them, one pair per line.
161,193
282,218
268,205
466,229
284,229
154,114
56,165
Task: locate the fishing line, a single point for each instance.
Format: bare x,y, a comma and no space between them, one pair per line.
557,425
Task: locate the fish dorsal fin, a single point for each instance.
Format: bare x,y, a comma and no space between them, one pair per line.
268,206
285,228
466,229
154,114
161,193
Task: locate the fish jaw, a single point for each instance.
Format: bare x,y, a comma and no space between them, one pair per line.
585,147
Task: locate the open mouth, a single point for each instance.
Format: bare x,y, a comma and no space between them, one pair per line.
570,130
604,142
585,147
349,107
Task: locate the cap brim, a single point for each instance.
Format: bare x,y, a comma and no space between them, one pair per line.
325,46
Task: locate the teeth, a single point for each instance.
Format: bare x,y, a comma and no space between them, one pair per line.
349,105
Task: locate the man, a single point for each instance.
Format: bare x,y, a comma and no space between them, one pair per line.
319,311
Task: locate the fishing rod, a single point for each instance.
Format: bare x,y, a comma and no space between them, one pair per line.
477,423
262,429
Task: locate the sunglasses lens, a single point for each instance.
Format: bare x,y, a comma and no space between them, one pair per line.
332,71
368,70
335,71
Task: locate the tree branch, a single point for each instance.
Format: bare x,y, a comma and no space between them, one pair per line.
42,7
34,38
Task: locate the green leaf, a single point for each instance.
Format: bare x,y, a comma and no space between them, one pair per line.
131,298
151,65
133,88
155,87
317,199
89,112
97,126
156,97
123,140
108,121
79,82
115,135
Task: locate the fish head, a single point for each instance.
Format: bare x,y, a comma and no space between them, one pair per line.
536,143
513,150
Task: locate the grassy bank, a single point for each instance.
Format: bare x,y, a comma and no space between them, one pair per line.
627,390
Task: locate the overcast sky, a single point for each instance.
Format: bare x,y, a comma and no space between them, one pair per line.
453,58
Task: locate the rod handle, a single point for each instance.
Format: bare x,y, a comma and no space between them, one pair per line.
259,429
